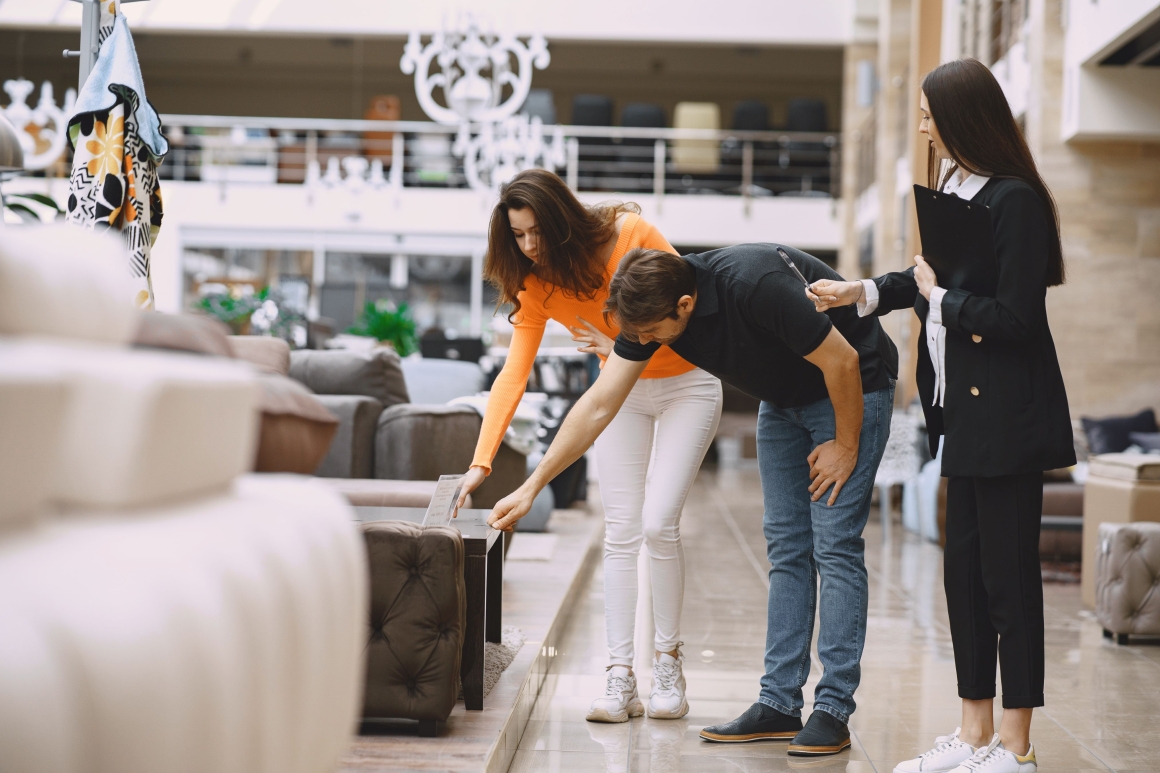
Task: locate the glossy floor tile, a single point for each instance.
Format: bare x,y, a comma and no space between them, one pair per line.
1103,701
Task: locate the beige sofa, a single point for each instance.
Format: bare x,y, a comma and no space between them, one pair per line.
1120,488
1127,578
160,608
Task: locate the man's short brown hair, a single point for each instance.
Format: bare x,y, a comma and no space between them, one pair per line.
646,287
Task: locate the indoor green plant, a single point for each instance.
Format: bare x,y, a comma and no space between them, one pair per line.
389,324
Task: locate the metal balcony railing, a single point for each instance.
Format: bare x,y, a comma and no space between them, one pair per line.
413,154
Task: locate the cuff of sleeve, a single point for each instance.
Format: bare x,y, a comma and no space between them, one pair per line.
868,303
481,465
936,299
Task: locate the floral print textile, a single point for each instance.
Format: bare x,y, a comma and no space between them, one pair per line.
114,182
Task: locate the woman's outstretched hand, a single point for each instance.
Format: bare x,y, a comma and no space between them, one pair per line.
593,341
924,276
471,480
830,294
511,509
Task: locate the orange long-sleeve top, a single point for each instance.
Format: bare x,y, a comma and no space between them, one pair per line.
539,304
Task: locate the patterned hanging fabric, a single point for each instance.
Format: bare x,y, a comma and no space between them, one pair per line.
117,148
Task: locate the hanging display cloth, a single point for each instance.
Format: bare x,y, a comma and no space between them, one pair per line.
117,147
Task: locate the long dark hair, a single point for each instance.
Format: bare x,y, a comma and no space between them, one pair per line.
975,123
568,247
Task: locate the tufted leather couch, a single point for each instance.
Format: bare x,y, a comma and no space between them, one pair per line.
416,623
1128,579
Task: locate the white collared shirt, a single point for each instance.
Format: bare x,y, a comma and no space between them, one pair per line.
936,335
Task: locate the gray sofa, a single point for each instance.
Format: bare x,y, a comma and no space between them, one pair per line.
382,434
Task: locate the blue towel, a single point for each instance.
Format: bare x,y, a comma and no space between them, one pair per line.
117,66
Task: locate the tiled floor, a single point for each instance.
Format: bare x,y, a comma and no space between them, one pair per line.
1103,701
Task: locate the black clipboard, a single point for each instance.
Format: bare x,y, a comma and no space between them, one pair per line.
957,241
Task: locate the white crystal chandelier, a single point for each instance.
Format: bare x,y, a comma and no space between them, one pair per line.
41,129
473,71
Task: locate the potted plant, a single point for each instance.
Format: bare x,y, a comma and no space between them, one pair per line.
389,324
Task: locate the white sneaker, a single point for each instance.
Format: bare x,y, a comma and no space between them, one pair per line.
993,758
667,700
948,753
620,701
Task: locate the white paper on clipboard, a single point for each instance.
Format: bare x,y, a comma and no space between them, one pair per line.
442,505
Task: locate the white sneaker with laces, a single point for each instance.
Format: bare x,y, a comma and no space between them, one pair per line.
667,700
993,758
620,701
948,753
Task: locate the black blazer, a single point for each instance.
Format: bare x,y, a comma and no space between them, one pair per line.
1001,348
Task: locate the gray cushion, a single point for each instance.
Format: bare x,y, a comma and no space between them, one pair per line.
183,333
422,442
342,372
441,381
352,451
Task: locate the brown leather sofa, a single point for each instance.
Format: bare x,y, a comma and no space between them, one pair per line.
416,623
1128,580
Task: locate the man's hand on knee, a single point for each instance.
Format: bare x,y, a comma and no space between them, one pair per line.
830,465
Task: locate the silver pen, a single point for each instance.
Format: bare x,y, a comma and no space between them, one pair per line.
793,268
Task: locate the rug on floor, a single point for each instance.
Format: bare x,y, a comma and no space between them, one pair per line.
498,656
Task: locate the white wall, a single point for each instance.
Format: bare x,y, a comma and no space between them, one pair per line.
1107,102
823,22
1094,29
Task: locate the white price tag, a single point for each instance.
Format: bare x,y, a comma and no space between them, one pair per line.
442,505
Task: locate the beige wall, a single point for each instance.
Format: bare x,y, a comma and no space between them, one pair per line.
1106,319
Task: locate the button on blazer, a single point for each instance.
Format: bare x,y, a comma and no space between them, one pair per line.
1005,409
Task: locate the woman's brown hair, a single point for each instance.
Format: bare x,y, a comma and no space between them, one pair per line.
975,123
569,244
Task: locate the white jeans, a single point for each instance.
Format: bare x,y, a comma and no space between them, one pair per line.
644,503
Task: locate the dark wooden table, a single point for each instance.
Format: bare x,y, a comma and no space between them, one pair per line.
482,580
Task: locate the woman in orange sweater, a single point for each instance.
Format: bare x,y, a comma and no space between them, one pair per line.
551,257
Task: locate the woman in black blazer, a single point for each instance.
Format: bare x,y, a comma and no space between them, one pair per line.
990,384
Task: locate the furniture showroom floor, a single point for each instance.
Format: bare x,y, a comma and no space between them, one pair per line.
1102,700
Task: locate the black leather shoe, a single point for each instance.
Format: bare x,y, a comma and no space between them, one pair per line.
758,723
823,734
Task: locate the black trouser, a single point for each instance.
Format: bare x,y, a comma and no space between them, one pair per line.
994,586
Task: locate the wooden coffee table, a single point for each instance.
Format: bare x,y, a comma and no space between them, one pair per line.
482,580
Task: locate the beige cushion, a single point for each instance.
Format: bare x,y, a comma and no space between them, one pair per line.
344,372
1128,578
296,429
65,282
32,410
372,492
696,156
223,634
266,353
183,332
143,427
1144,467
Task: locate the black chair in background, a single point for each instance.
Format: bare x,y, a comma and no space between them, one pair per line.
597,156
808,162
540,104
749,115
434,344
636,153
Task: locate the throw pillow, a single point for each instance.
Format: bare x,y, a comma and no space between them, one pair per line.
296,429
1149,441
374,374
266,353
183,333
1110,435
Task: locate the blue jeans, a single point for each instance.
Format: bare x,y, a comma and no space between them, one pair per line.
806,539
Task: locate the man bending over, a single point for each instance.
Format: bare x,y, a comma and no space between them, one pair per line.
826,385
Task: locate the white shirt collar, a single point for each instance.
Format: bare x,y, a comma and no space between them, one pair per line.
966,188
